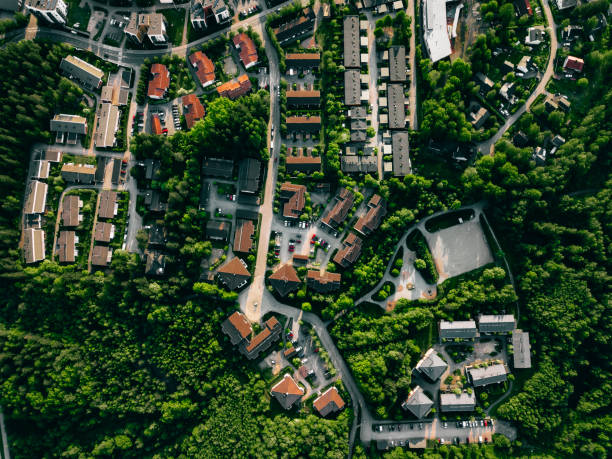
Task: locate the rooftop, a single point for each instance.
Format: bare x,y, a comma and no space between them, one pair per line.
436,29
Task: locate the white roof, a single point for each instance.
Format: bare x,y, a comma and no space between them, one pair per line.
436,33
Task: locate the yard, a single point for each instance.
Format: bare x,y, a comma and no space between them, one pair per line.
176,22
78,15
84,230
120,221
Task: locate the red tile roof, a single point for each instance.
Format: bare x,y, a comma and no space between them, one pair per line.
235,266
248,51
288,386
192,109
241,324
286,273
160,82
235,88
205,69
329,397
573,63
156,125
243,237
294,198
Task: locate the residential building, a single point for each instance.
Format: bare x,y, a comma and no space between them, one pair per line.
376,210
101,255
565,4
478,117
206,13
295,28
53,156
234,274
156,127
483,376
303,97
485,83
114,95
521,348
336,216
36,198
287,392
571,32
153,201
52,11
104,232
66,246
349,252
159,82
41,169
322,282
107,126
462,402
431,365
301,163
303,123
400,148
573,64
192,109
262,340
216,167
108,205
459,329
352,87
33,245
116,171
328,402
204,68
218,230
243,237
82,71
435,29
520,139
70,211
557,141
246,50
78,173
235,88
152,169
237,327
497,323
285,280
397,108
397,64
249,170
507,66
418,403
303,60
524,64
351,42
535,36
523,7
157,235
293,199
150,25
155,264
71,125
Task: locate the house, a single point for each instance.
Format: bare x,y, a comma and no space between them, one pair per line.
108,205
206,13
157,235
101,255
41,169
507,66
497,323
349,252
431,365
82,71
462,402
215,167
303,98
70,211
235,88
150,25
377,209
523,7
53,156
352,87
78,173
328,402
418,403
285,280
564,103
295,28
435,29
520,139
114,95
33,245
478,117
483,376
36,198
287,392
351,42
104,232
107,125
293,198
303,123
535,36
539,156
204,68
522,349
249,170
51,11
218,230
155,264
397,108
336,216
192,109
234,274
303,164
485,83
322,282
565,4
263,340
507,92
550,103
557,141
397,64
303,60
459,329
571,32
66,246
402,165
573,64
70,125
156,127
243,236
115,172
237,328
247,50
358,130
159,82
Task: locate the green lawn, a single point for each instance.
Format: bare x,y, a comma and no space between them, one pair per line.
77,15
176,21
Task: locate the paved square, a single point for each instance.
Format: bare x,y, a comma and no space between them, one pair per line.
459,249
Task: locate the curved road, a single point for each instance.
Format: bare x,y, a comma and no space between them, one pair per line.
486,147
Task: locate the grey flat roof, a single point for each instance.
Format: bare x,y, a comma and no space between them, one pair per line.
352,87
397,63
351,42
522,349
397,111
458,329
496,323
431,365
488,375
461,402
401,153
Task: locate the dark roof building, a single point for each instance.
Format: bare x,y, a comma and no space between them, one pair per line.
522,349
401,154
248,176
457,402
323,282
36,198
104,232
33,245
234,274
78,173
431,365
82,71
295,28
303,123
237,327
70,211
285,280
302,163
350,251
351,42
303,60
352,87
108,205
491,374
287,392
243,236
66,247
215,167
101,255
192,109
245,214
218,230
157,235
396,105
377,209
72,124
418,403
497,323
462,329
303,97
344,202
155,263
293,198
328,402
397,64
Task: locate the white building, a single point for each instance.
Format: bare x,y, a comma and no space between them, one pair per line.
436,30
53,11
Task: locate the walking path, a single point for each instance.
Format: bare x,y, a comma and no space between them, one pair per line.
411,13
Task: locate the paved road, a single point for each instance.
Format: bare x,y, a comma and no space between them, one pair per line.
373,73
486,147
5,446
411,12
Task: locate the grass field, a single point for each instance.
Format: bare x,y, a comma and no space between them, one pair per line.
77,15
176,21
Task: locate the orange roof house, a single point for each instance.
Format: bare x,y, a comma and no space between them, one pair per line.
285,280
328,402
287,392
204,68
192,109
235,88
156,126
248,51
159,83
237,327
